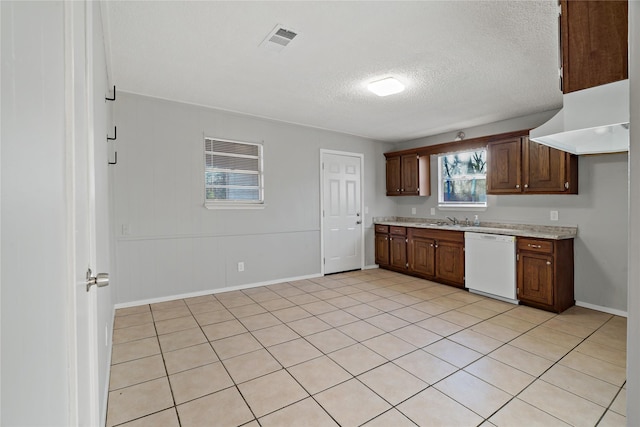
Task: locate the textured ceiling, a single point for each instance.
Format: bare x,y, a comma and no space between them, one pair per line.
464,63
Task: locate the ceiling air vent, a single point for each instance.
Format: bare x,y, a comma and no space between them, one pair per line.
278,38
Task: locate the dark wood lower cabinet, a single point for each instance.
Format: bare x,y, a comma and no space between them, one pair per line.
450,262
544,266
422,256
436,255
382,249
545,273
398,247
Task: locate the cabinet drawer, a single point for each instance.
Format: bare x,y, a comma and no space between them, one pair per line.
535,245
382,228
398,230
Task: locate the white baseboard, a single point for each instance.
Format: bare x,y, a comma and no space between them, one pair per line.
601,308
370,267
213,291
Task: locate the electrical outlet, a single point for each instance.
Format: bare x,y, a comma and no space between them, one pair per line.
413,211
553,215
433,211
126,229
241,266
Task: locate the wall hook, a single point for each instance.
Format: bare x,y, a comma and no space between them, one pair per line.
115,134
114,95
114,163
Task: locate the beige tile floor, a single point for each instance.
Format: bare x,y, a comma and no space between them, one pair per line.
365,348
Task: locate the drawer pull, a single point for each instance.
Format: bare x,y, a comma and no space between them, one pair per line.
548,262
534,246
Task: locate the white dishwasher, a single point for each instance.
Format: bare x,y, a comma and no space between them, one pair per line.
490,265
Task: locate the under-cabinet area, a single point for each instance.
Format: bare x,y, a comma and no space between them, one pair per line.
544,257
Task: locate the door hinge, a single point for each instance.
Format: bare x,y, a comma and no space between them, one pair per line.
324,260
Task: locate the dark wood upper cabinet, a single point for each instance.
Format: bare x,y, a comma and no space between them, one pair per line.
407,175
394,179
410,174
545,168
594,43
504,170
518,166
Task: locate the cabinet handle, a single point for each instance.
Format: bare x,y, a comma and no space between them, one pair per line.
526,186
534,246
548,262
566,185
517,185
431,245
398,190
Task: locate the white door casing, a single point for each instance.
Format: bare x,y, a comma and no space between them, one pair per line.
341,211
81,212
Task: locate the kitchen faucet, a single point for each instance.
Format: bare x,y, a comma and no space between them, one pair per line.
454,220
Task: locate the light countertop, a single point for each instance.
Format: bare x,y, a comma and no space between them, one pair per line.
520,230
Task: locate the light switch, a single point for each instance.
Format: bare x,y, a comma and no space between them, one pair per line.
433,211
553,215
413,211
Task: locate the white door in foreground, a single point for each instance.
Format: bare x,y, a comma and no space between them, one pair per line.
342,216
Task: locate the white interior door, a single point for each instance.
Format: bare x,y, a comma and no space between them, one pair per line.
81,211
342,211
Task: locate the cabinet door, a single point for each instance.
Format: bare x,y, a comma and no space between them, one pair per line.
544,168
503,167
382,249
422,256
394,184
398,251
410,175
594,43
450,262
535,278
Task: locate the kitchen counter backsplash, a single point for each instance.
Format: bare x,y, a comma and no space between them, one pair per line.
522,230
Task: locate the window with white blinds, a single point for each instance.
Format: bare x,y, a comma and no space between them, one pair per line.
232,173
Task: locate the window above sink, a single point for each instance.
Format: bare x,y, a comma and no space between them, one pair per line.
462,179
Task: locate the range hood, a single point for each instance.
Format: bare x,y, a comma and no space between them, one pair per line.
592,121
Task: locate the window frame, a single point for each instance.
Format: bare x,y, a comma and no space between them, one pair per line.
444,205
236,203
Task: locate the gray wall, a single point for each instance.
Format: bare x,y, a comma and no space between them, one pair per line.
177,246
599,211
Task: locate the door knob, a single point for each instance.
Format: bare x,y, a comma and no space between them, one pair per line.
100,280
358,222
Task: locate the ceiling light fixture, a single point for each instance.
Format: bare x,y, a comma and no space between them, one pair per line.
385,87
459,136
